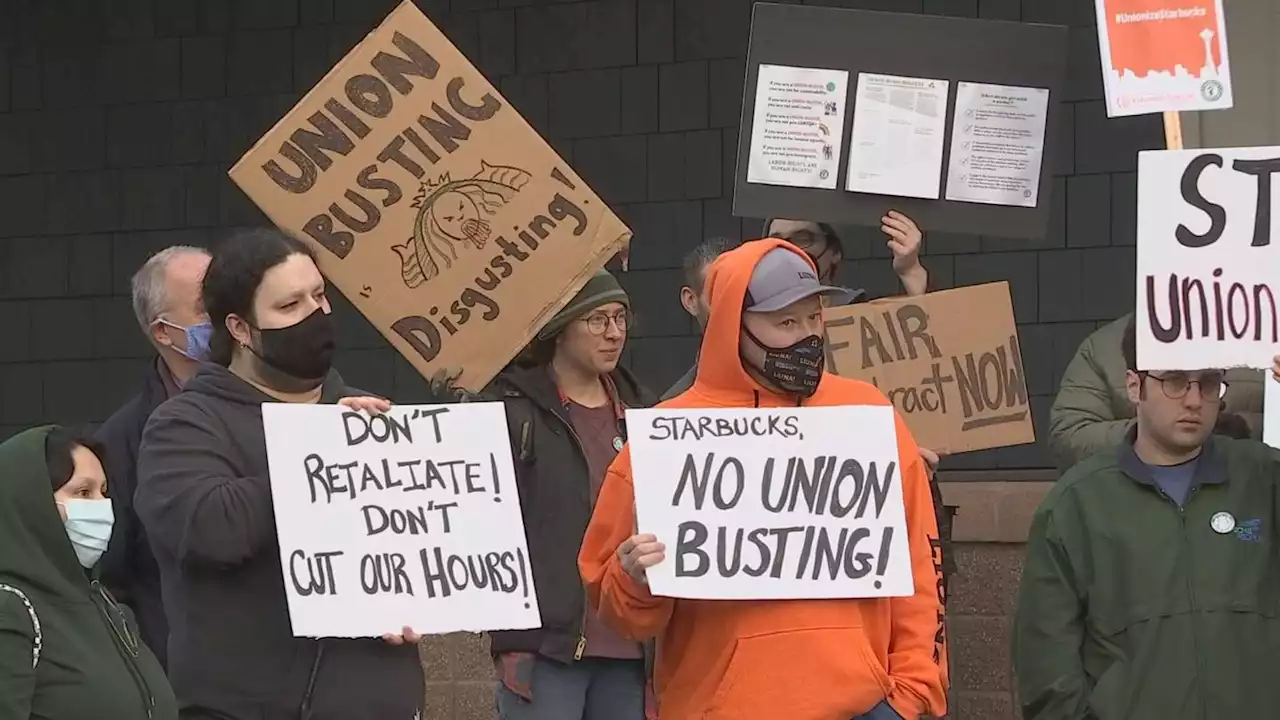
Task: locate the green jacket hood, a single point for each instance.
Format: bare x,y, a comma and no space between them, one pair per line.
1091,412
35,552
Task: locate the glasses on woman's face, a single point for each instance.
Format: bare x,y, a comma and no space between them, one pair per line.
1176,385
818,246
814,243
598,323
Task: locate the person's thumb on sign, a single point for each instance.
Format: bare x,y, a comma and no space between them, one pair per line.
366,403
931,459
1275,369
406,637
640,552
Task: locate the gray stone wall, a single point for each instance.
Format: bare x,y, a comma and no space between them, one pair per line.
119,119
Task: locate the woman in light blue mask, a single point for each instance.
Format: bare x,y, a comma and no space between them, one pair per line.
68,651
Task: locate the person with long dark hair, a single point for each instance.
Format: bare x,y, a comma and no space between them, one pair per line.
68,650
204,497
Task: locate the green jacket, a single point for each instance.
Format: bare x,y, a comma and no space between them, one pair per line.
91,664
1092,411
1132,608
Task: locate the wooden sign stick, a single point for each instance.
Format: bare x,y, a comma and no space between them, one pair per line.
1172,130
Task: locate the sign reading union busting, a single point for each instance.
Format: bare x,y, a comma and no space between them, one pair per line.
444,217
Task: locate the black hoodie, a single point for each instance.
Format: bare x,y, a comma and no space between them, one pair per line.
205,500
128,568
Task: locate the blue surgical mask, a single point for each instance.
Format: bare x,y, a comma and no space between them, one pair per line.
89,524
197,340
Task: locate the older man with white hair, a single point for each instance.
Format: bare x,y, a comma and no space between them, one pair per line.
167,304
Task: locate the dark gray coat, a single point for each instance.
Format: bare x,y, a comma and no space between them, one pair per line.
204,497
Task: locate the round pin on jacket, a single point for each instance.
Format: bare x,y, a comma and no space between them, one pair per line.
617,444
1222,523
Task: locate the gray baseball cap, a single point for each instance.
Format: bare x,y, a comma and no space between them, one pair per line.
781,278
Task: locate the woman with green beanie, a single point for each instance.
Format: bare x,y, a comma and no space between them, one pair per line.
68,651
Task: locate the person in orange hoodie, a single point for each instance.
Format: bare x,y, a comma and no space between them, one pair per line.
762,660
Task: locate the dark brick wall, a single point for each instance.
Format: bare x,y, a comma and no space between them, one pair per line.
119,118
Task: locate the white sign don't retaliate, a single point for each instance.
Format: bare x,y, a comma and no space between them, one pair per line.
1208,258
776,503
411,518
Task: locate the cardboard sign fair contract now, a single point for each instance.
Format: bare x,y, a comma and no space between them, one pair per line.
772,503
949,361
410,518
444,217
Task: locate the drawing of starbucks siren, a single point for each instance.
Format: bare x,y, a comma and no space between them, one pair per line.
455,215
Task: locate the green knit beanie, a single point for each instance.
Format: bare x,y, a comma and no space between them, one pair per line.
601,289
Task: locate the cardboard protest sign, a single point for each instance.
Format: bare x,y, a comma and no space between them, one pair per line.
1168,56
1208,258
410,518
444,217
949,361
776,503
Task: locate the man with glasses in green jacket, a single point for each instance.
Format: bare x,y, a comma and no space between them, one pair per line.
1151,589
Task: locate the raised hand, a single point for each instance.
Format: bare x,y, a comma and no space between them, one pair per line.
904,240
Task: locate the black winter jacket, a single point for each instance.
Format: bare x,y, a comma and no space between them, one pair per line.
204,496
129,568
555,500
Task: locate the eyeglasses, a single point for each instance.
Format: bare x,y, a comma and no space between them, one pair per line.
1176,386
598,324
808,241
805,239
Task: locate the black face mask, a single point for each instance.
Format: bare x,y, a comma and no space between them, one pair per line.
298,357
796,368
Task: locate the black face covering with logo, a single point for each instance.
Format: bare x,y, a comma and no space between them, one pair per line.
296,358
796,368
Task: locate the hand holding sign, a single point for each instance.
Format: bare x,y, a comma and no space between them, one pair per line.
366,403
638,553
931,459
1275,369
406,637
444,388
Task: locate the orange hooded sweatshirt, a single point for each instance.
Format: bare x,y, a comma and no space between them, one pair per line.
766,660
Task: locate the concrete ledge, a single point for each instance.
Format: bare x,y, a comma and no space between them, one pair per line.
459,677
